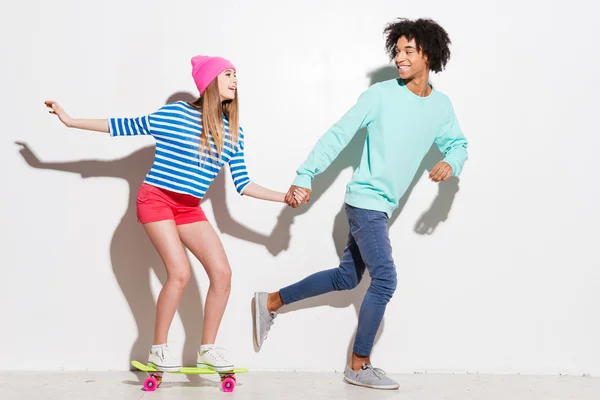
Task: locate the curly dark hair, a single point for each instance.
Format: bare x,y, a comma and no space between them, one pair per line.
430,38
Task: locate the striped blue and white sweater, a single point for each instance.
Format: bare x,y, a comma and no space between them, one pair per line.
178,165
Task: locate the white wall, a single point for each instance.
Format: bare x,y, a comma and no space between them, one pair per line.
506,282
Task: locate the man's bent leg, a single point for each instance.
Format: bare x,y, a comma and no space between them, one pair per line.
345,277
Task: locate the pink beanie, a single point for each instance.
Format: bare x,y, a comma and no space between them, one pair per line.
205,69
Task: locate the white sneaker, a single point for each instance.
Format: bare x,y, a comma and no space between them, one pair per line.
263,319
214,359
163,360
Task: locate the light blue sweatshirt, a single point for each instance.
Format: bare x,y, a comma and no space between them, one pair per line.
401,128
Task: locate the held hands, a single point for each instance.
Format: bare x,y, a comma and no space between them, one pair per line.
296,196
441,172
59,112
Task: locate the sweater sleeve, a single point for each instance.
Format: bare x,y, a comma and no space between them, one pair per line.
160,120
237,167
452,143
129,126
337,137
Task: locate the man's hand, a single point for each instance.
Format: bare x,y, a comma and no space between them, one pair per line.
441,172
297,195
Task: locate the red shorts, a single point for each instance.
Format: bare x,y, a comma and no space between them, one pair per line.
156,204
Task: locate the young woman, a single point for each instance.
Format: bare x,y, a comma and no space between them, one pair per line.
193,142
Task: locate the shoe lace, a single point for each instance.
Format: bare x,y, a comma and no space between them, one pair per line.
270,323
378,372
218,352
164,352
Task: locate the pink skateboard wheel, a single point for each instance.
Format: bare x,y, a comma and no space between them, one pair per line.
150,384
228,384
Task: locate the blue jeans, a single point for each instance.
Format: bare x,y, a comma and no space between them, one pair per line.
368,244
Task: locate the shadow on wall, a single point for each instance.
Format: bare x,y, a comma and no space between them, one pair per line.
350,157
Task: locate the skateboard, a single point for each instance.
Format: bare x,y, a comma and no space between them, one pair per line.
155,377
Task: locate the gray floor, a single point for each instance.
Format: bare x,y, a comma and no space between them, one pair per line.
293,385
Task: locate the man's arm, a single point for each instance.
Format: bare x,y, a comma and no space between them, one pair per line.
337,137
453,144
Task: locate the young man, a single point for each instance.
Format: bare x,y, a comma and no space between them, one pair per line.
404,117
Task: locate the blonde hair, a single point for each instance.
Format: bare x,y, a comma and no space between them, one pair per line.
212,118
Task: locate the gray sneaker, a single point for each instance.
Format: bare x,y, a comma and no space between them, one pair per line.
263,319
370,377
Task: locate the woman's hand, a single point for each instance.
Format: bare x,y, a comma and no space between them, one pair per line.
59,112
98,125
